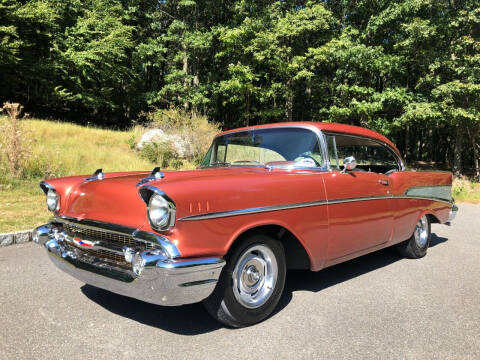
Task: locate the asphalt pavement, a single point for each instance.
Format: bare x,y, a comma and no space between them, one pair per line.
377,306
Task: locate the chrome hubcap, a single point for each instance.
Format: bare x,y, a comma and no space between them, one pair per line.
255,276
421,232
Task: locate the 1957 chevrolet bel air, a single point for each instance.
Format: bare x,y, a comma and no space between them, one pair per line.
265,199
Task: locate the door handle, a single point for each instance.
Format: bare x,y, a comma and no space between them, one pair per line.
384,182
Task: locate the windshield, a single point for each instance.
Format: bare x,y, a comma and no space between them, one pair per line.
273,147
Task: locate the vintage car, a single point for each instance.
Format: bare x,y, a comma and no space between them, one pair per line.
266,199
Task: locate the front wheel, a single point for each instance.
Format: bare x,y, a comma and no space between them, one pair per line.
416,247
251,283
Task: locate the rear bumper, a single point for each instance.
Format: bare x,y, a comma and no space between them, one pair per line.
452,213
159,279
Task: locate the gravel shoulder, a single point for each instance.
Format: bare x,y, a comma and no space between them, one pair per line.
376,306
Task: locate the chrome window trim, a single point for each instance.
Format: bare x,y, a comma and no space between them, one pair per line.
314,129
136,233
256,210
398,158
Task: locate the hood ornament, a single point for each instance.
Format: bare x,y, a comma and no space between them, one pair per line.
97,175
156,174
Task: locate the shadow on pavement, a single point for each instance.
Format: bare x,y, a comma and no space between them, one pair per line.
185,320
193,319
435,240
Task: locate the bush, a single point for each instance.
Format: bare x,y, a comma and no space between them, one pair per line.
161,154
193,129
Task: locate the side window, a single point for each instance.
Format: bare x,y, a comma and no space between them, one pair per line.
371,156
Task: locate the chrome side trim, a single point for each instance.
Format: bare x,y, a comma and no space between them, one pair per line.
251,210
136,233
301,205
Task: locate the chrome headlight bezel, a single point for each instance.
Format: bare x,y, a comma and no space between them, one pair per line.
161,212
52,199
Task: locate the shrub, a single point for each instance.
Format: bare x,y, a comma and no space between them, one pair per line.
161,154
193,129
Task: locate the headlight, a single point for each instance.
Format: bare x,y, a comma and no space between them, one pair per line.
161,212
52,200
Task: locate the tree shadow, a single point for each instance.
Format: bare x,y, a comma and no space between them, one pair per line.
193,319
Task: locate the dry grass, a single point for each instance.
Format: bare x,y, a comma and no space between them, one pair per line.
60,149
74,149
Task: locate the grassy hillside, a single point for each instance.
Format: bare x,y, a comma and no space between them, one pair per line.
61,149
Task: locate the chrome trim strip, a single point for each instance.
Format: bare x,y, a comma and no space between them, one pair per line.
300,205
135,233
251,210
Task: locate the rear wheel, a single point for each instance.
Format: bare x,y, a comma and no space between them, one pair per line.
251,283
416,247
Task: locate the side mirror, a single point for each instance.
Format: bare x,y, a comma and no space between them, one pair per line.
349,163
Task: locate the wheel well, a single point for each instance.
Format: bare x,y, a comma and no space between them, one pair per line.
433,219
295,254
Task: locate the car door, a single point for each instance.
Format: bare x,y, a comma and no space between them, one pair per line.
360,206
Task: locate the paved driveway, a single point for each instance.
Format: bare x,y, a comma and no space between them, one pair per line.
377,306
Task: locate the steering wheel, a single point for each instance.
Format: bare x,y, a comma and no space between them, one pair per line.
391,171
307,156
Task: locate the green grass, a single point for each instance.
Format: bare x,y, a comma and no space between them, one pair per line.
22,208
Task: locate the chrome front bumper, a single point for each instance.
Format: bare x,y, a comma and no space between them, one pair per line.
161,280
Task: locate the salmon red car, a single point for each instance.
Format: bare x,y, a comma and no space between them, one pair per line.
266,199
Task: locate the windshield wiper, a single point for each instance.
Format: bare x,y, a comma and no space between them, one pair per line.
246,161
219,163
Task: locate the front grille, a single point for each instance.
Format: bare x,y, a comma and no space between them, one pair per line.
105,255
117,240
108,240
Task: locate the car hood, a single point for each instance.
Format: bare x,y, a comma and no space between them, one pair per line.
116,199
